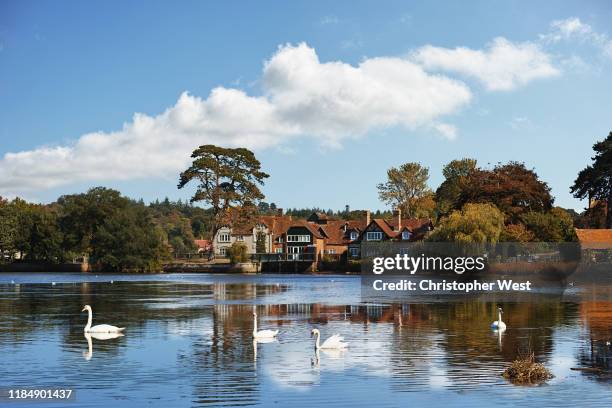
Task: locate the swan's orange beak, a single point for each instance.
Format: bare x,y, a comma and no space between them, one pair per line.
84,309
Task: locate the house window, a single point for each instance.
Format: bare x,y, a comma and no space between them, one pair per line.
295,253
353,235
331,251
222,251
405,235
224,237
298,238
240,238
374,236
279,250
354,252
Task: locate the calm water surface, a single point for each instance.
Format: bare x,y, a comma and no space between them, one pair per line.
188,343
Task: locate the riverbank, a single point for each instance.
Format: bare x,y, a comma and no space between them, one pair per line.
44,267
285,268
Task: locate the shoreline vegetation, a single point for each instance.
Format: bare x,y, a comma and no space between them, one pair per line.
102,230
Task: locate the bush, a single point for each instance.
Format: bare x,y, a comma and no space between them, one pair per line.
525,370
237,253
475,223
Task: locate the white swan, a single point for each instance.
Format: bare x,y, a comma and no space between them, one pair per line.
100,328
334,342
499,324
262,334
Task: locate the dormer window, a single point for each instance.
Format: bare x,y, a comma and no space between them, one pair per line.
374,236
353,235
406,235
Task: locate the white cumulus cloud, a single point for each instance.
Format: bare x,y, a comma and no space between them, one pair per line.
501,66
301,97
335,100
573,28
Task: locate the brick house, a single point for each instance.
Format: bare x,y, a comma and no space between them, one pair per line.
394,229
340,234
271,227
305,241
324,236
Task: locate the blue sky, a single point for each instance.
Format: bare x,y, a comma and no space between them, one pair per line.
328,95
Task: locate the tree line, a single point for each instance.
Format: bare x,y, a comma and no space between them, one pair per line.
112,232
505,203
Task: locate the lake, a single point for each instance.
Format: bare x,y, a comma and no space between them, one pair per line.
188,343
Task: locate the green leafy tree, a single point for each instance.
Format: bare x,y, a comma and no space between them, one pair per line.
404,187
237,253
44,236
456,175
556,225
8,230
595,181
22,211
227,180
81,215
118,234
260,242
474,223
128,241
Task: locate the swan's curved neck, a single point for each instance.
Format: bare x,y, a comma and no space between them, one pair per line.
499,318
89,319
317,345
254,325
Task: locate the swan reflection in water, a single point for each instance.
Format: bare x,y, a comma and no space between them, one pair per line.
332,354
499,334
98,336
263,340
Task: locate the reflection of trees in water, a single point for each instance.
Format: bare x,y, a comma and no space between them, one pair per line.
25,308
530,328
596,357
596,313
223,368
454,342
444,339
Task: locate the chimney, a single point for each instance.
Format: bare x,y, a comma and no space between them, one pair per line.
279,212
397,213
367,216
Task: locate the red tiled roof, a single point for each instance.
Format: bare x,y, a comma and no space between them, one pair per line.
416,226
358,225
412,223
385,227
202,243
277,224
334,230
595,238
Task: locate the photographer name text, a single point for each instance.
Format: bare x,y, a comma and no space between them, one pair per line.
429,285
